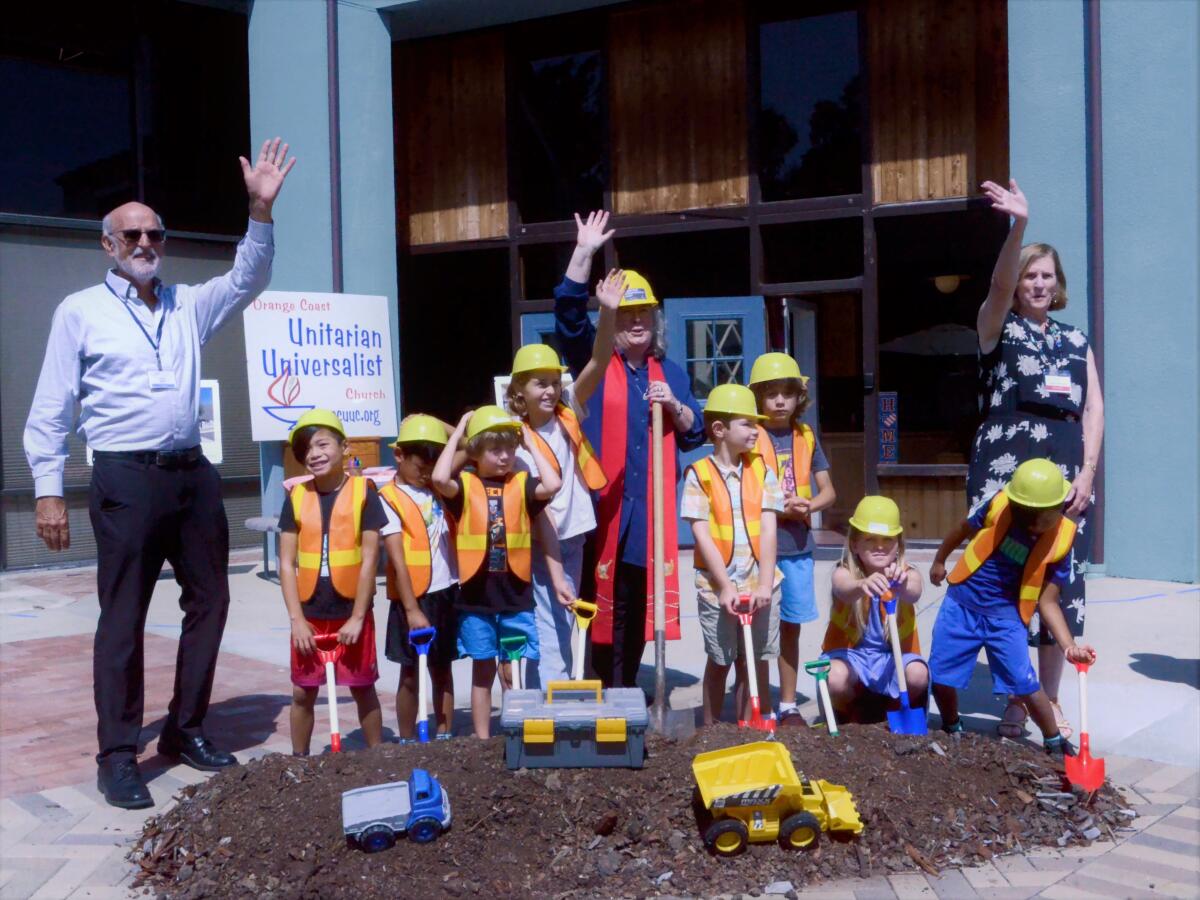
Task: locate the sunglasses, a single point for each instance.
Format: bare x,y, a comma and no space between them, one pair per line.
134,235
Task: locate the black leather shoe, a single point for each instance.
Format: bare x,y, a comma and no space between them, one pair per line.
197,752
121,784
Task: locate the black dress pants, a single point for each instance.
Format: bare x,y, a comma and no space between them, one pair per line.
143,514
617,663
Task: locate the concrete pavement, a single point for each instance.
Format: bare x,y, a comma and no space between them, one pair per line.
58,838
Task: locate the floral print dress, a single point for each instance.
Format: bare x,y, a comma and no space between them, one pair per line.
1028,414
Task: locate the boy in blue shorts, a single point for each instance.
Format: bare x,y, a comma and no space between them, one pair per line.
1017,558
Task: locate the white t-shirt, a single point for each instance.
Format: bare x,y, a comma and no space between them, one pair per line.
443,564
572,505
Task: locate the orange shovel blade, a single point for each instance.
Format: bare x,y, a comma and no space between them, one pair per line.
1084,771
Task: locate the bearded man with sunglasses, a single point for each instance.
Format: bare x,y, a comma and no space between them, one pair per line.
127,352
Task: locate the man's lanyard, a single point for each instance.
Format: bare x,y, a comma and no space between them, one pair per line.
155,345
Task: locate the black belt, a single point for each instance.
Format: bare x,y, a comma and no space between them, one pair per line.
1047,412
165,459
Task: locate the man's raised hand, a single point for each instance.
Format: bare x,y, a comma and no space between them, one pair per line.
265,177
610,291
591,235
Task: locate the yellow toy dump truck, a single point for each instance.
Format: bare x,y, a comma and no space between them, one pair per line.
752,794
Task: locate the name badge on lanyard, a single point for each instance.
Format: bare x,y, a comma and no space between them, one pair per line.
1059,384
161,380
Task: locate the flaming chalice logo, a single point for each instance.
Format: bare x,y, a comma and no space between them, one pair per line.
284,390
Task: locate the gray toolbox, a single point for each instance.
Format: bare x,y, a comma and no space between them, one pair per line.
574,725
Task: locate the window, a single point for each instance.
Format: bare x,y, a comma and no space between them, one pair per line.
813,251
809,142
693,264
714,354
543,267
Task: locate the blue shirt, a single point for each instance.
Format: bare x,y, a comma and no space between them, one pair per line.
995,587
101,353
576,334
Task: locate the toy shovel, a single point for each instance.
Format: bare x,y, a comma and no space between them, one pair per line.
329,655
1084,771
904,720
584,613
421,640
513,647
744,610
819,669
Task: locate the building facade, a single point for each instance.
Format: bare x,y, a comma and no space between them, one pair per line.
789,176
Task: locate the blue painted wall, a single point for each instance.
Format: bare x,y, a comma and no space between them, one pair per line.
1152,324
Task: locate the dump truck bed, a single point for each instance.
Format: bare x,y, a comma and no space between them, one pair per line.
750,769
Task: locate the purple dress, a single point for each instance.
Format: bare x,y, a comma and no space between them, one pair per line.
872,659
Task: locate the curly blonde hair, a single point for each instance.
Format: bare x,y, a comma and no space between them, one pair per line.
1030,254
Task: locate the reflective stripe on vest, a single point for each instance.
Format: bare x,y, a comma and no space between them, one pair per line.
414,537
585,457
345,537
803,442
843,632
720,506
1051,547
471,542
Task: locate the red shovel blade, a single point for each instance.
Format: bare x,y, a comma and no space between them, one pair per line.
1084,771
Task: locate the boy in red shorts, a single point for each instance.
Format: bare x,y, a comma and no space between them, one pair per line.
328,551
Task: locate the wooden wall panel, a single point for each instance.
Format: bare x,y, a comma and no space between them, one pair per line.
453,94
677,82
939,97
929,507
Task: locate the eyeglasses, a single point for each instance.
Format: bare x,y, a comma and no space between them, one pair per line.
134,235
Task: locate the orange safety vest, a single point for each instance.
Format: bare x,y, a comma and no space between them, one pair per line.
720,506
471,541
585,456
415,539
1050,548
843,631
345,537
803,442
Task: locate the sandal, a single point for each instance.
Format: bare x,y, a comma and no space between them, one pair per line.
1012,725
1064,727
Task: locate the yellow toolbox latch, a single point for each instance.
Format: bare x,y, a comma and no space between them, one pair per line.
539,731
610,731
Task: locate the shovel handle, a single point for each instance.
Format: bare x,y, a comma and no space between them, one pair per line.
897,655
1083,710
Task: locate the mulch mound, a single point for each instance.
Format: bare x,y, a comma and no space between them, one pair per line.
272,828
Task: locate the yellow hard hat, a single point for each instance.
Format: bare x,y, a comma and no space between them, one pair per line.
638,292
420,428
321,417
773,367
1038,484
491,418
877,515
536,358
733,400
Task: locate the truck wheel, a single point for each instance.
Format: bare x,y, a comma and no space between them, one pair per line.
800,831
726,837
424,830
377,837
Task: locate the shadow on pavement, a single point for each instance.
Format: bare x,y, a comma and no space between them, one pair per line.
1160,667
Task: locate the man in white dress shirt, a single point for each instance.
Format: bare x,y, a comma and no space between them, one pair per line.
127,352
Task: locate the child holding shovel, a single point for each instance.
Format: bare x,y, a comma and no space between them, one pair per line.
496,511
422,578
862,671
1019,553
732,500
328,549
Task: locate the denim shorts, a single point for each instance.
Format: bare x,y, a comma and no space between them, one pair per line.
799,601
479,634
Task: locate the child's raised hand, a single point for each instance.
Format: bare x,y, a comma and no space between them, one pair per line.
937,573
611,289
465,420
302,637
349,633
591,235
1081,654
875,585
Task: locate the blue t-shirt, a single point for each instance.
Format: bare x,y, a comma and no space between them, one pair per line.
995,588
793,536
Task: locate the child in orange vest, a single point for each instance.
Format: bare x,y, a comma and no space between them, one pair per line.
1017,557
328,549
862,674
732,500
790,449
422,576
496,511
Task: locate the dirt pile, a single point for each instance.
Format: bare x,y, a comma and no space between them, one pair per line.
273,828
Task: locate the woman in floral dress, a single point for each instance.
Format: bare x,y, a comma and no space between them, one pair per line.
1040,397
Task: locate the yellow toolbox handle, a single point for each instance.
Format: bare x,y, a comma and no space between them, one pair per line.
576,687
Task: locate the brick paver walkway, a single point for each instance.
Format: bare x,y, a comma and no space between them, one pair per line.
58,839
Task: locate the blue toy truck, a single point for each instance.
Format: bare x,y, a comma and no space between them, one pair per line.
373,817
